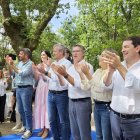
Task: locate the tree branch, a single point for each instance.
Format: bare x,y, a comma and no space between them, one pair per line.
126,14
12,28
43,23
5,8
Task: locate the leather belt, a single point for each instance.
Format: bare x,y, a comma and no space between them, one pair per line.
101,102
25,86
80,99
126,116
58,92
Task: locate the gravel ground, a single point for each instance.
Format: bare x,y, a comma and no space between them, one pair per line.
5,128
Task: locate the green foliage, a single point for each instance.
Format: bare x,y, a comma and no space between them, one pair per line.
102,24
24,20
5,48
47,40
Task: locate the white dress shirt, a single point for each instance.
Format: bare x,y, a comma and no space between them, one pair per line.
54,83
95,85
3,86
75,92
126,94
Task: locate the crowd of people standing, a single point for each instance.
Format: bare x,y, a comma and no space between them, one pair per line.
64,89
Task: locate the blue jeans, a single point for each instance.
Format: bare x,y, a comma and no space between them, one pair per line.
24,102
58,107
102,122
125,129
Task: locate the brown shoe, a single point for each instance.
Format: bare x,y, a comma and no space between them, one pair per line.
45,134
41,132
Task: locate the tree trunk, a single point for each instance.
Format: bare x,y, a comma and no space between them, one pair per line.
17,28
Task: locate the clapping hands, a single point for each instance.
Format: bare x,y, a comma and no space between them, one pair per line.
112,60
41,68
59,69
82,68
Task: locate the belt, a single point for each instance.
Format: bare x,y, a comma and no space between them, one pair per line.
80,99
101,102
126,116
58,92
25,86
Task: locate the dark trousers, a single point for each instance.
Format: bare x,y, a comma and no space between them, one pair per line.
80,117
124,129
13,115
2,107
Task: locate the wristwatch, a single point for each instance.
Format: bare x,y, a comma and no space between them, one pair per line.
46,73
66,76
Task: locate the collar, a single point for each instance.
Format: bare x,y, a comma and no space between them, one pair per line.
25,62
61,60
135,64
82,61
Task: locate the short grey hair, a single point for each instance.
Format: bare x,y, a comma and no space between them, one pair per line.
61,47
80,46
27,51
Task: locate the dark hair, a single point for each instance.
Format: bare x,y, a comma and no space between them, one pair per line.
80,46
70,55
135,40
47,53
27,51
13,56
68,51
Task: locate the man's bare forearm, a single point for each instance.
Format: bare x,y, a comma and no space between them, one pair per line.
122,70
61,80
69,78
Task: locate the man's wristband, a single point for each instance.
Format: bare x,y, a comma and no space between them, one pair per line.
66,76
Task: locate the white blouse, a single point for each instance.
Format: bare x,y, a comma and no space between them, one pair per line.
3,86
96,86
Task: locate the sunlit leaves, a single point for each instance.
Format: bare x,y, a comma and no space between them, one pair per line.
102,24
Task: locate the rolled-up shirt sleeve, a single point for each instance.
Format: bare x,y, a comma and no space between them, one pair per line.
77,83
132,82
54,77
65,85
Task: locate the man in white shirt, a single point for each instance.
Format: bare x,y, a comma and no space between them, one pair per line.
125,83
80,107
58,97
